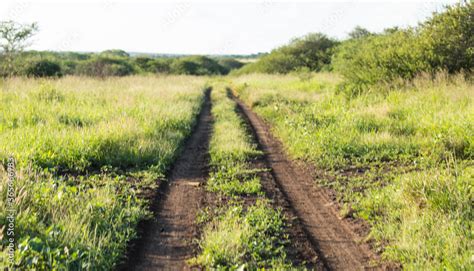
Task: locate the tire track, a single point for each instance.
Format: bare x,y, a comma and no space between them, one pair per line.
337,245
168,241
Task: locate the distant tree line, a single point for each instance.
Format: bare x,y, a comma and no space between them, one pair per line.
444,42
112,63
16,62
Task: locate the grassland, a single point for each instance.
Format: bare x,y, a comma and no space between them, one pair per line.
86,150
401,159
243,231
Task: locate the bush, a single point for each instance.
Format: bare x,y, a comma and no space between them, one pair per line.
449,40
115,53
312,52
143,63
444,42
105,66
197,65
230,64
160,65
44,68
380,58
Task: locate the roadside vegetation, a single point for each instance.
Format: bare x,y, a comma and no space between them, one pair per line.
243,231
391,132
87,150
402,159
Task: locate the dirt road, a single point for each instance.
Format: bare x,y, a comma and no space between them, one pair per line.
319,238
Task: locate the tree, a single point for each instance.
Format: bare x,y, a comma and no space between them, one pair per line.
448,38
44,68
359,33
311,52
230,64
101,66
197,65
115,53
14,37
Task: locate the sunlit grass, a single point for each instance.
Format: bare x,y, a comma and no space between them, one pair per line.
86,148
231,149
76,124
401,158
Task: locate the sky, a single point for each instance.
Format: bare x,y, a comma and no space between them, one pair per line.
203,27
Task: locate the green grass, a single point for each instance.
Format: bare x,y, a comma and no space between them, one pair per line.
244,237
86,149
246,232
231,149
401,159
78,124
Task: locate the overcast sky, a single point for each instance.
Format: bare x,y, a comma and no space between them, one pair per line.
202,27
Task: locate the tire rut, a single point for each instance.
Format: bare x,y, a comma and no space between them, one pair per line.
169,239
338,246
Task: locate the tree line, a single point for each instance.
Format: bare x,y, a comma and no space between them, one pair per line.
444,42
109,63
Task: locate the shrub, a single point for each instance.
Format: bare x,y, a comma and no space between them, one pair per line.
230,64
143,63
105,66
444,42
359,33
380,58
448,38
44,68
115,53
312,51
161,65
196,65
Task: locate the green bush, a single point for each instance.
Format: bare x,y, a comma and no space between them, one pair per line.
105,66
114,53
380,58
143,63
196,65
161,65
449,39
444,42
44,68
312,52
230,64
